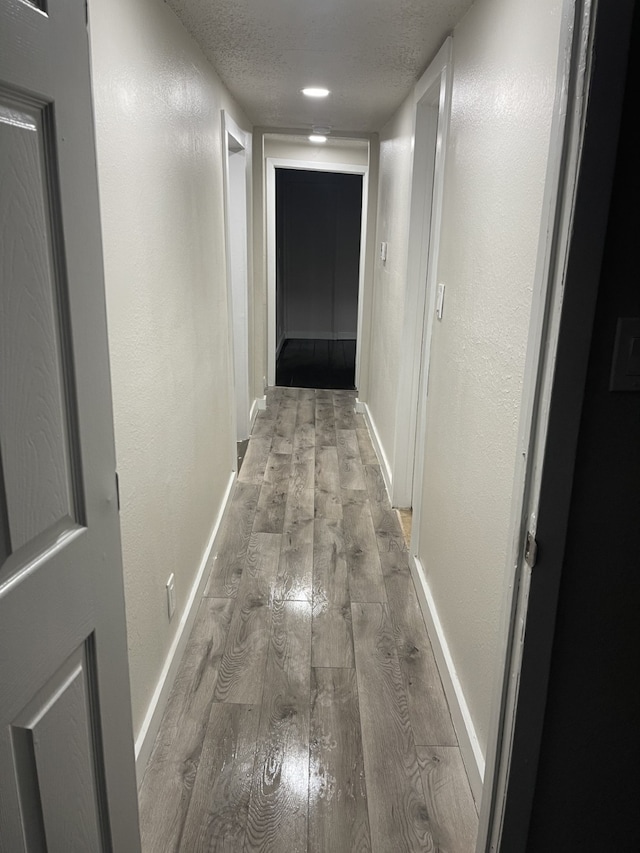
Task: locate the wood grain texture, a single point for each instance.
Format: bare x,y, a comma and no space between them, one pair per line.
398,816
278,809
295,572
217,816
331,635
306,413
345,416
428,708
338,819
302,471
272,502
328,499
229,562
255,460
365,446
169,777
286,394
278,469
325,423
304,436
394,561
389,533
285,425
366,582
263,424
325,436
330,574
325,621
349,462
272,403
241,672
450,804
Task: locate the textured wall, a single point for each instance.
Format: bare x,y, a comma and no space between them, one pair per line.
157,104
505,57
389,282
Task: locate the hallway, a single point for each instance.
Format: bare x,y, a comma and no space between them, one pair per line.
308,713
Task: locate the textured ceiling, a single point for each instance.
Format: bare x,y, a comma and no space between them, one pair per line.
367,52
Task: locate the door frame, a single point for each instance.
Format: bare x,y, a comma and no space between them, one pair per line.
273,163
432,91
239,344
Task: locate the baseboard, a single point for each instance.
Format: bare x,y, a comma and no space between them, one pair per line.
149,730
259,404
363,408
460,715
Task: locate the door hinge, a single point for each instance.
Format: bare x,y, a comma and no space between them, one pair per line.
530,550
118,491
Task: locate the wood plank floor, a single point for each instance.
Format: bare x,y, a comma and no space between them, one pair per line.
308,714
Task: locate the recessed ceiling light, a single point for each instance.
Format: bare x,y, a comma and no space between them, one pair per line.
315,92
322,130
316,137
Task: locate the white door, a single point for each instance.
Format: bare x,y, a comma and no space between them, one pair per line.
67,780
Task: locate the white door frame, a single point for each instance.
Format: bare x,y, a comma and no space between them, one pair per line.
432,92
273,163
235,140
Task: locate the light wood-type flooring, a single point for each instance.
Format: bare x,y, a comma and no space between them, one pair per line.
308,713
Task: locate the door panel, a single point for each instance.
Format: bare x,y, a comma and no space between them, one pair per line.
52,741
67,775
33,431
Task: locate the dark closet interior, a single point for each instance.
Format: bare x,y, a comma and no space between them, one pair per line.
318,221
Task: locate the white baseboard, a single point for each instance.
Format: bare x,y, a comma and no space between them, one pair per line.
149,730
260,403
363,408
460,715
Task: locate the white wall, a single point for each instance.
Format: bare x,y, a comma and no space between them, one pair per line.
335,150
505,59
389,278
504,71
157,106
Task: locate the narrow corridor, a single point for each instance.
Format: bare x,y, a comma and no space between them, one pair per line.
308,713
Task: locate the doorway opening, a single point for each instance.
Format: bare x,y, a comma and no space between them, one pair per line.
315,264
318,230
433,94
236,217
